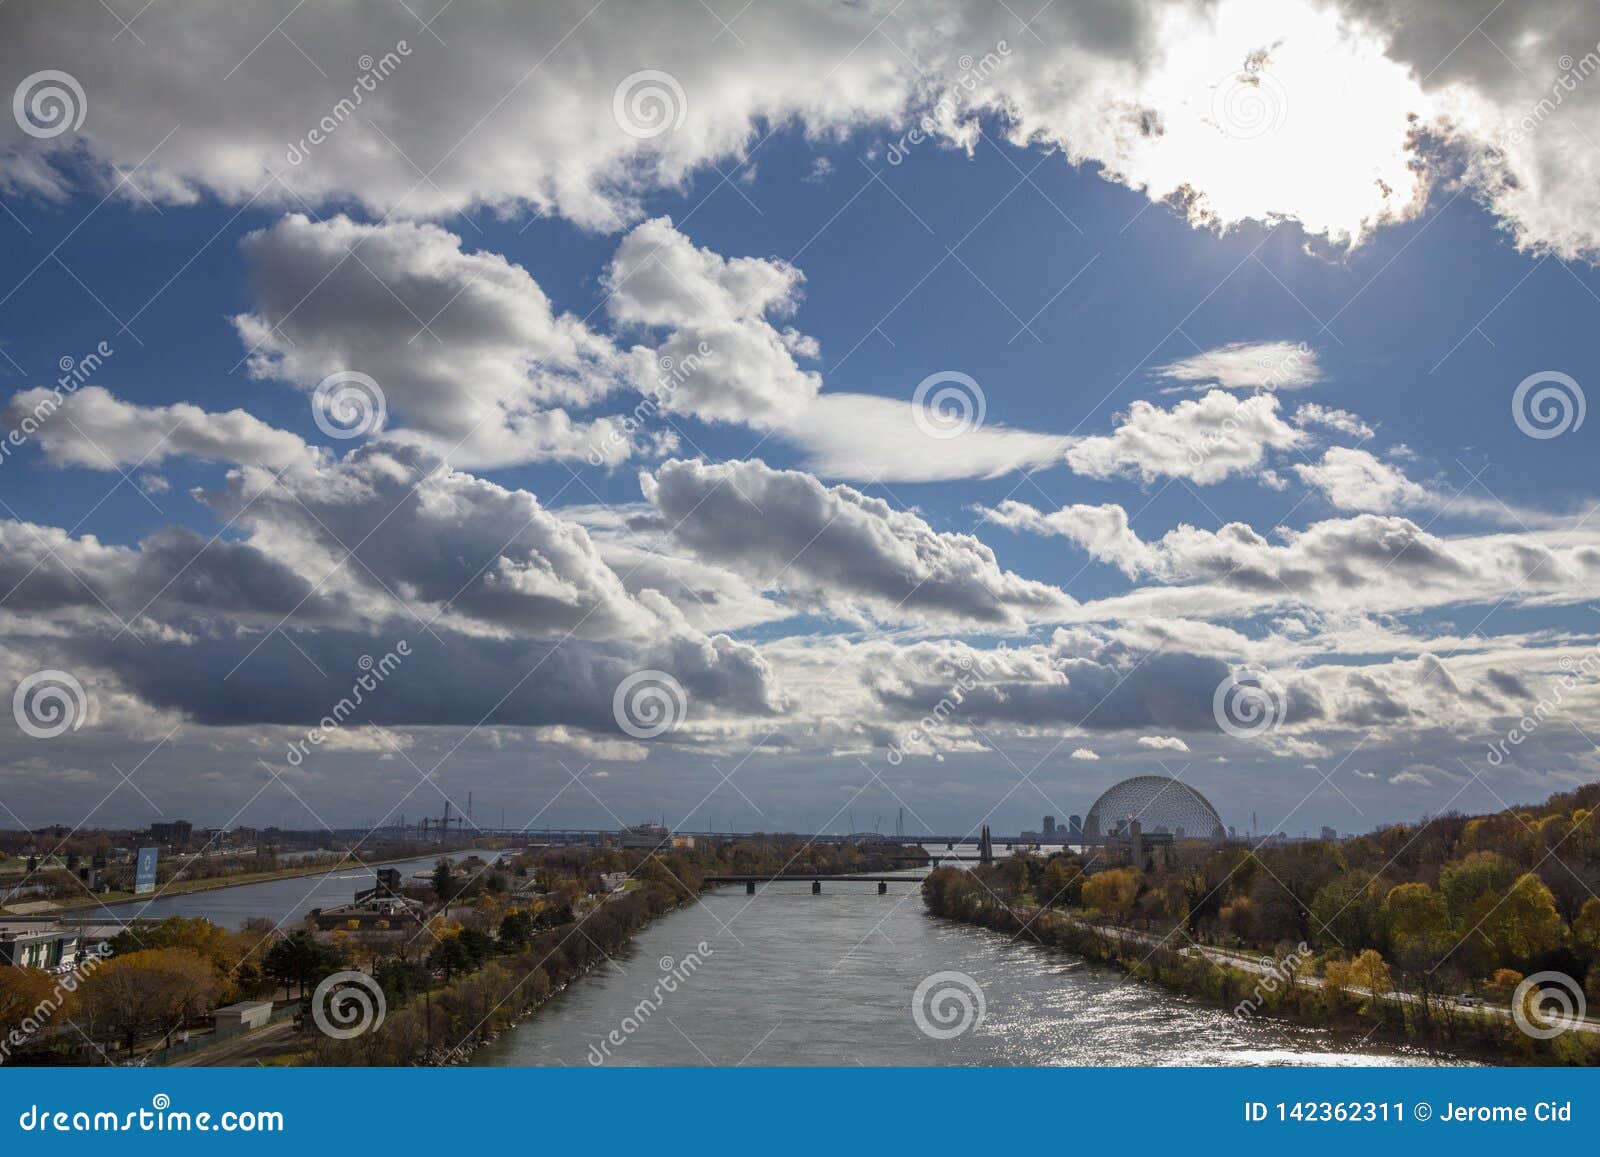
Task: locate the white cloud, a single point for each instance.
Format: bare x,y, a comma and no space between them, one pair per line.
1355,480
1244,109
1410,779
1082,753
1339,421
93,429
472,360
865,437
1202,439
732,364
837,549
1163,742
1272,365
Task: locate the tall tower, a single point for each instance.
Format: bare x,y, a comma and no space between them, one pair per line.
985,847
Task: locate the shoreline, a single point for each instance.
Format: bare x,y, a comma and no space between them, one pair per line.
216,884
1400,1018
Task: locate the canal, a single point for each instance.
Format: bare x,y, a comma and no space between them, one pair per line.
275,900
788,978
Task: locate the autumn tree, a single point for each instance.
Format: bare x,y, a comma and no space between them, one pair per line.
1112,891
1523,924
26,997
149,991
1463,881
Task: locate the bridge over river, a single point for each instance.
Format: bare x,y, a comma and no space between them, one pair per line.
816,879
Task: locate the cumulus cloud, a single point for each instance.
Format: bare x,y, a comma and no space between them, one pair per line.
472,360
838,549
1355,480
1163,742
712,315
398,532
1370,561
1202,439
93,429
1331,418
1352,479
1246,109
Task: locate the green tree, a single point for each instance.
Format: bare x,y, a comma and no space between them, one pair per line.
1346,913
1416,915
1463,881
444,881
1523,924
1062,883
516,927
301,959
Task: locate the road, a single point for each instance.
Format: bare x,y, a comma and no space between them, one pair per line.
251,1048
1268,966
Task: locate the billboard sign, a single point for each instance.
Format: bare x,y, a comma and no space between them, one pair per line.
144,872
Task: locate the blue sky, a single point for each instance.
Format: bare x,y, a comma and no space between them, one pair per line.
1414,577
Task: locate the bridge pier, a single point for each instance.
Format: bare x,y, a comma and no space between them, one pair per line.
749,887
883,887
816,887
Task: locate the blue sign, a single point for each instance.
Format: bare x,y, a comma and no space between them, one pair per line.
1305,1112
144,872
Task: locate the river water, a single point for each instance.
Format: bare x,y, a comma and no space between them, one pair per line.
796,979
276,900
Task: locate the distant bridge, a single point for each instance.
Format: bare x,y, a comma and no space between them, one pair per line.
597,836
816,879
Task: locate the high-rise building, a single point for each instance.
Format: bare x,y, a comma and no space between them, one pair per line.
1074,829
1049,827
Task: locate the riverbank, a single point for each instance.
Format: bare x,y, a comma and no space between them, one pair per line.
217,883
447,1024
1284,988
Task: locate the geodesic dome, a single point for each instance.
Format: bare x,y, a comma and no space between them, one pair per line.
1159,803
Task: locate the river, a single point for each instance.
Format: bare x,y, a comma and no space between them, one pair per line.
282,901
797,979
